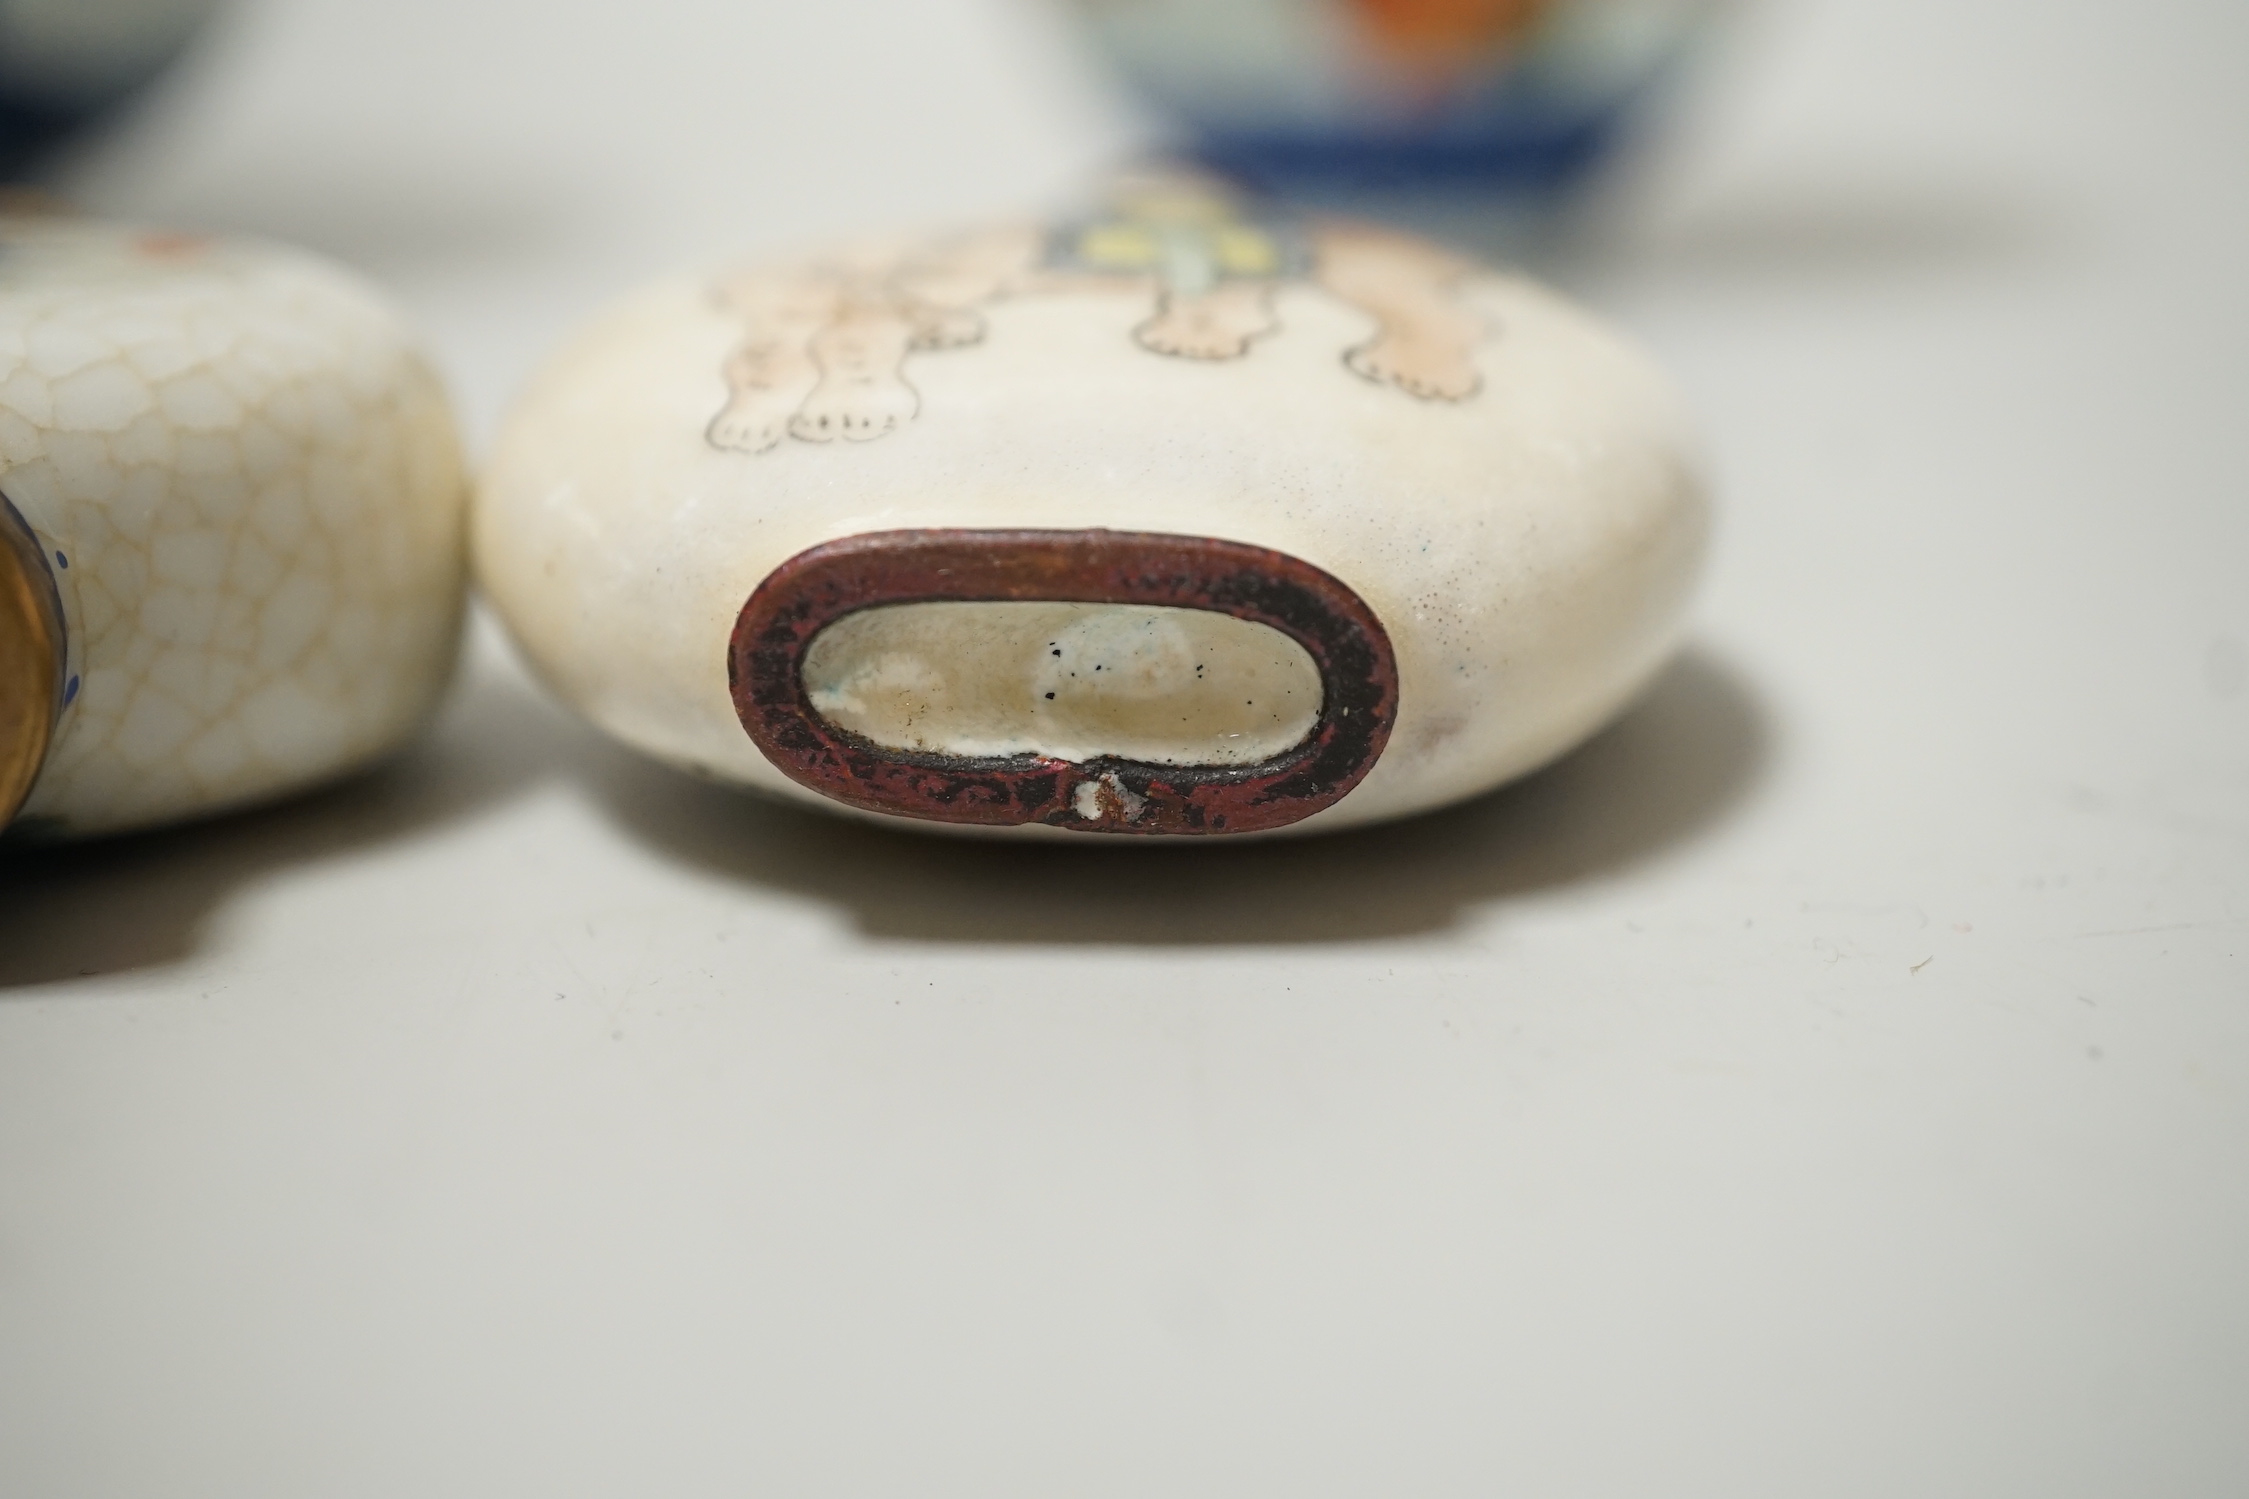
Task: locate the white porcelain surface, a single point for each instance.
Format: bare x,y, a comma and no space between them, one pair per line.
248,488
1831,1081
1508,484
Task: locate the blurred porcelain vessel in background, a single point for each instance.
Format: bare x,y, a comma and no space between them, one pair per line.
1523,96
1183,516
230,526
65,65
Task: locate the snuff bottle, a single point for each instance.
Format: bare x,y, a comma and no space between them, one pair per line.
231,553
1184,516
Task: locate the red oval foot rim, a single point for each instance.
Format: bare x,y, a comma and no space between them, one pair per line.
815,588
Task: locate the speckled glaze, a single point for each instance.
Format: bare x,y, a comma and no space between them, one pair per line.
1506,483
244,490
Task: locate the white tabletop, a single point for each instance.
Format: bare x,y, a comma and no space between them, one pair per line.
1834,1080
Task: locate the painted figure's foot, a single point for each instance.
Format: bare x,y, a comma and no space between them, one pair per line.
862,394
766,383
1426,335
1217,324
1433,369
753,422
855,410
947,327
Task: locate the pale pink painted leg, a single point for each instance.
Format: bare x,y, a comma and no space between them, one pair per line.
1220,323
862,392
1425,337
771,372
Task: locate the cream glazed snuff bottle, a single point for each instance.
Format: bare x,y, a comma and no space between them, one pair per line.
231,549
1182,516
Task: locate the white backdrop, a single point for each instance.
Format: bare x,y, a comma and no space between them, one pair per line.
1830,1082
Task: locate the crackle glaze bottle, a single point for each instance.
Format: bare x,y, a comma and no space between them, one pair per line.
231,494
1181,517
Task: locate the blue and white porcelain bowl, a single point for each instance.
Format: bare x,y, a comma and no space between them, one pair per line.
1511,94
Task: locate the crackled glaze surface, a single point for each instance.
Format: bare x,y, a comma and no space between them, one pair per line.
247,489
1508,485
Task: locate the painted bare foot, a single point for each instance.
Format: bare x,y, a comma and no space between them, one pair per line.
751,423
862,394
946,327
765,383
945,284
1217,324
1426,335
1435,367
771,371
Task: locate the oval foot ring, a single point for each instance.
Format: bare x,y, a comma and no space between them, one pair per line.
812,590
